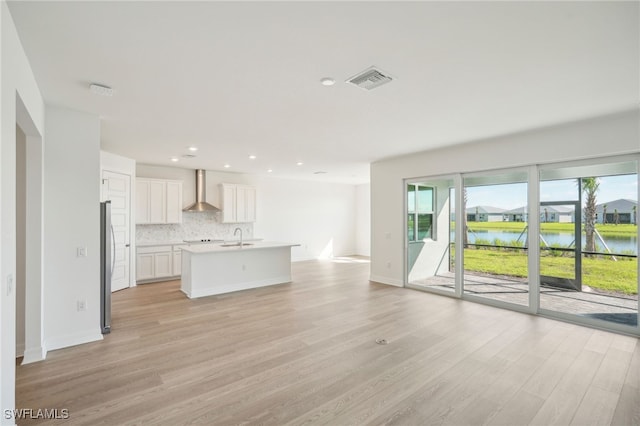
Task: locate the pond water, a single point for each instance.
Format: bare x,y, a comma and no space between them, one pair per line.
624,245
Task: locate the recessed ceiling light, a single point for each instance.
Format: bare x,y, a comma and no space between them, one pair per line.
252,157
175,159
100,89
269,171
226,166
327,81
193,148
299,163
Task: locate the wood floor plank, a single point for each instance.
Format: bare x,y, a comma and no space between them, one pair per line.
305,353
561,405
597,408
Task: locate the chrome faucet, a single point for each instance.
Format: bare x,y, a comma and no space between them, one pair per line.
235,232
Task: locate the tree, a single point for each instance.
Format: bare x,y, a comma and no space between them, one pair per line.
616,217
590,187
546,215
604,214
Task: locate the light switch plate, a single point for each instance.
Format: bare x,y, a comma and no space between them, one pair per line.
82,252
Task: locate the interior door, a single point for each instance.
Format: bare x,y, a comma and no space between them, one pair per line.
117,188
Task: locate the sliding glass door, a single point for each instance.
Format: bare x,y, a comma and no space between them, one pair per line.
496,237
558,240
589,243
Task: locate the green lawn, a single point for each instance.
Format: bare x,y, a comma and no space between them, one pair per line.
605,274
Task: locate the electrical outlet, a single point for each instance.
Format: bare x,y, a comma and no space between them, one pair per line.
82,305
244,267
388,265
82,252
9,284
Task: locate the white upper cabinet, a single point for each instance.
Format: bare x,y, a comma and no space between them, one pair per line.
238,203
158,201
228,203
174,202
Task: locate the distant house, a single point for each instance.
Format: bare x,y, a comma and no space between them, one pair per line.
517,215
557,214
485,214
623,208
548,214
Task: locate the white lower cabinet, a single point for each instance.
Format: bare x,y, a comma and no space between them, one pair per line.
158,263
144,266
163,265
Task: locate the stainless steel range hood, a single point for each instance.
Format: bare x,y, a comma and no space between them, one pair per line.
201,205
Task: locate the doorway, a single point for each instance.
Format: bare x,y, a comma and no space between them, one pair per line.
568,273
116,187
29,236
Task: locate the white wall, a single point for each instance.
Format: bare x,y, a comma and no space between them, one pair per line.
363,220
16,79
615,134
318,216
71,221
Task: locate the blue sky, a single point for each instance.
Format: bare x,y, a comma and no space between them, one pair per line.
511,196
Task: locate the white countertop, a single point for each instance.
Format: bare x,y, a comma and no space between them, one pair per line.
219,248
184,243
159,243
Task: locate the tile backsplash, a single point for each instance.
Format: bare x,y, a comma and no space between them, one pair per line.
195,225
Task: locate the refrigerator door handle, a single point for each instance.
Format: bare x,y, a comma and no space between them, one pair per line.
113,250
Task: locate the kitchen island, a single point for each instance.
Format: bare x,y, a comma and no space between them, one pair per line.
209,269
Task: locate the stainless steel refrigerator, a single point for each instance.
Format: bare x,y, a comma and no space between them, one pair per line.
107,257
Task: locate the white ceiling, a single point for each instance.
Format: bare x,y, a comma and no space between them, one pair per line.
241,78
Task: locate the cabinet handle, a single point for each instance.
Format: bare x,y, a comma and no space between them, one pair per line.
127,245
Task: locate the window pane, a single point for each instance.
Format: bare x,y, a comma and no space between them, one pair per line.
425,199
411,198
559,190
496,244
425,222
410,227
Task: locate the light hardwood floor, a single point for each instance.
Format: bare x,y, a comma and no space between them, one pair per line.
305,353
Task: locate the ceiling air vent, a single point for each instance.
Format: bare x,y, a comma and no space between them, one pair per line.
370,78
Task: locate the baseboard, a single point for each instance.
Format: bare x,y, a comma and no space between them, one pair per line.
19,349
34,355
386,280
302,259
59,342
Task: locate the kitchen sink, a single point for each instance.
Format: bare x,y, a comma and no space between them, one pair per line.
236,245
